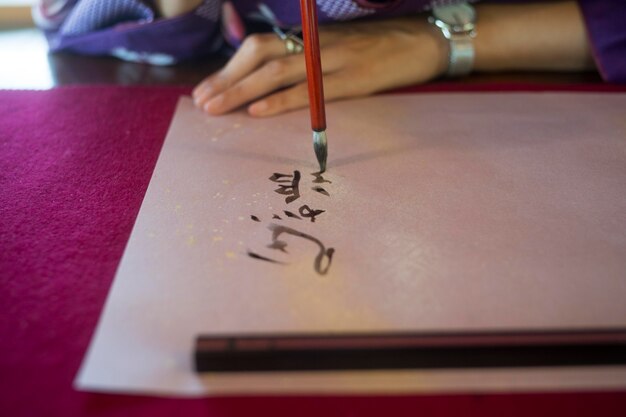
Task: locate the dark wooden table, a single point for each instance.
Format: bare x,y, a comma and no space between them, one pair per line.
28,65
72,69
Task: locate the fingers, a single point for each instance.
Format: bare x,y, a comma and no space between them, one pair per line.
290,99
254,51
273,75
336,86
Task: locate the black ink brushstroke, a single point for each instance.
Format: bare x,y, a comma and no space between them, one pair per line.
278,245
321,191
263,258
255,218
276,216
277,230
319,179
292,189
309,213
278,177
292,215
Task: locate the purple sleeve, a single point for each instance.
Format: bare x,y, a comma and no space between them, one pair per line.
606,26
129,29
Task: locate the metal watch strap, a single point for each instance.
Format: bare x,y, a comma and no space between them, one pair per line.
457,23
461,58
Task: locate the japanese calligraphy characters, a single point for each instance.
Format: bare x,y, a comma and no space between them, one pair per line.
286,186
289,186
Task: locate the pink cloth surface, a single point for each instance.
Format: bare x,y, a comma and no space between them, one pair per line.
75,163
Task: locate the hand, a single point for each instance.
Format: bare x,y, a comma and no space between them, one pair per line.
358,59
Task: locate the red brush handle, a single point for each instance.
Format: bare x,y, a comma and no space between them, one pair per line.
311,40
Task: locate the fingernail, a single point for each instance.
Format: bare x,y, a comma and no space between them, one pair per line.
214,104
202,91
199,89
258,108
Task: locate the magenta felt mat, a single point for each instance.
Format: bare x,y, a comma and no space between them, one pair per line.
74,165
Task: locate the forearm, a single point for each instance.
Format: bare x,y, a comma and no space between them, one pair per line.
172,8
361,58
542,36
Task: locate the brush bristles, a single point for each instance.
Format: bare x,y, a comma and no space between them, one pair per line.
320,145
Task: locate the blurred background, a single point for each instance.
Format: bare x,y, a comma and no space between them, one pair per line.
22,48
26,64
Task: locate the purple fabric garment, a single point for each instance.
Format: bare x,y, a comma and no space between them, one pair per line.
92,15
606,26
131,29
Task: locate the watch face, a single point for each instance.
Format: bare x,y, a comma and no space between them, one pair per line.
459,16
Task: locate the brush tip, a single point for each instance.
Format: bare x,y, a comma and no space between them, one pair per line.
320,145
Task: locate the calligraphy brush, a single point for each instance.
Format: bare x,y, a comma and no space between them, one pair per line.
310,36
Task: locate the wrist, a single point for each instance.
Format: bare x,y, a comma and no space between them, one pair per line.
542,36
432,43
456,23
440,47
489,46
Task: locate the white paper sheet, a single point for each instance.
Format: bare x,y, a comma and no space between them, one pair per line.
455,212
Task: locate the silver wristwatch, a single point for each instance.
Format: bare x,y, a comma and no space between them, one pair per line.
458,25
